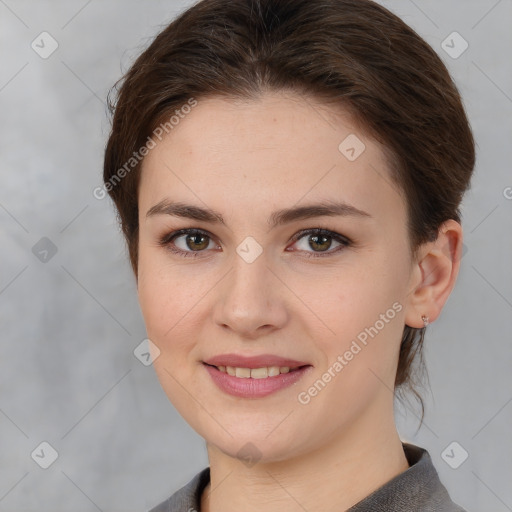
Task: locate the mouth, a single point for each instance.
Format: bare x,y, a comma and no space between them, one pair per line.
263,372
256,382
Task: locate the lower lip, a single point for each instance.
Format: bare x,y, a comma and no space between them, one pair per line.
254,388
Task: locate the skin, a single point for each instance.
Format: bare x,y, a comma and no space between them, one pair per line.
246,159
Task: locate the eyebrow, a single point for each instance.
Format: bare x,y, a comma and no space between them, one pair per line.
277,218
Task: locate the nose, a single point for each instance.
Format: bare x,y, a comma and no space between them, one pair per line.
250,300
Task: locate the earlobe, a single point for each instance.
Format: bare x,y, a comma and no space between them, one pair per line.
434,275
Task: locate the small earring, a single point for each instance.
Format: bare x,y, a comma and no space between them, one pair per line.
425,320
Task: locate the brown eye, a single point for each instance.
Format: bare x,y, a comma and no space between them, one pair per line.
187,242
197,242
320,242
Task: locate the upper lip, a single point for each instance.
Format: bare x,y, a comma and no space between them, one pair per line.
260,361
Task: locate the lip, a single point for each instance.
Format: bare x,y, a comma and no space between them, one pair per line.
260,361
255,388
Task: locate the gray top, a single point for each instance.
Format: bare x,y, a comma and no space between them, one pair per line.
417,489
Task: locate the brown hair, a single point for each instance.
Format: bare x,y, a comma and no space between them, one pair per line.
354,53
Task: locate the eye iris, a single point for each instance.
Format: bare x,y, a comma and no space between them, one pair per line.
197,242
321,241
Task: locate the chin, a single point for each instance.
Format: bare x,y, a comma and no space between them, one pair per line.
250,444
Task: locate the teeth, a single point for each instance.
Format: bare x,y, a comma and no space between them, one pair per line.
243,372
255,373
258,373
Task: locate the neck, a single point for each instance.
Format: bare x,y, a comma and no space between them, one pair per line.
334,477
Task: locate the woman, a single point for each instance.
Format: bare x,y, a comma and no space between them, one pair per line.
288,178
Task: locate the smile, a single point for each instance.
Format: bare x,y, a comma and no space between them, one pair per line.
256,373
255,382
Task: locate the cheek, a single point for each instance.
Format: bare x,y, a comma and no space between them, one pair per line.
361,311
172,301
156,283
167,308
162,297
352,297
154,302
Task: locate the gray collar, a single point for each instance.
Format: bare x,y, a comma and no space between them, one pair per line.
417,489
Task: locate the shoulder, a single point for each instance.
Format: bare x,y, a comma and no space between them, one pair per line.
188,498
418,488
431,493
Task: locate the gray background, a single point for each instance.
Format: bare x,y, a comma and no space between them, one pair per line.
68,375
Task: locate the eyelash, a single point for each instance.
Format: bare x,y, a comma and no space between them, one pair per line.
168,239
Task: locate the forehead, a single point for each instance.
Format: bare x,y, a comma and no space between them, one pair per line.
279,148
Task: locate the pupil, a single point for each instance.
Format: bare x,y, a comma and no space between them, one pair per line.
325,242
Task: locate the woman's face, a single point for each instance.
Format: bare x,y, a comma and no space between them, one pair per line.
252,178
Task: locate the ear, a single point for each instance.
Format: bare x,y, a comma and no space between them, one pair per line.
434,274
